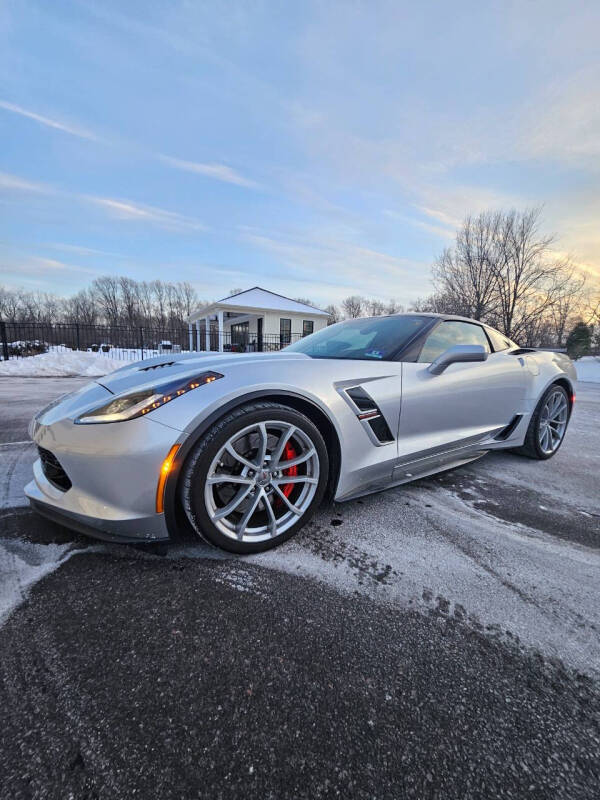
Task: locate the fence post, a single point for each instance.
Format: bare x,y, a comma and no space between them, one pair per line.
77,333
142,342
4,340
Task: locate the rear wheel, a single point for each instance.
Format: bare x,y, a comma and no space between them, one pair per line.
255,478
548,424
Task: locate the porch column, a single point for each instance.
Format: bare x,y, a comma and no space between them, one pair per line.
191,336
220,330
198,348
207,333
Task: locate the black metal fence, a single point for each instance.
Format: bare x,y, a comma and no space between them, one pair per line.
22,339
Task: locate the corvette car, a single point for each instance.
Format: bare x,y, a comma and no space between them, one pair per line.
240,449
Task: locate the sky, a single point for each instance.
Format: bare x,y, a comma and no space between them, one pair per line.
315,149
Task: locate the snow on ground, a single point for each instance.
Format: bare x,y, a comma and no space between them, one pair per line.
60,363
24,563
588,369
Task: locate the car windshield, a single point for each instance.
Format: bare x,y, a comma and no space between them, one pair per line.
373,339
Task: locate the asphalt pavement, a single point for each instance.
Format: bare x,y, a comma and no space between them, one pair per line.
437,640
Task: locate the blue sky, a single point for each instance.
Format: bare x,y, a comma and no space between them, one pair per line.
317,149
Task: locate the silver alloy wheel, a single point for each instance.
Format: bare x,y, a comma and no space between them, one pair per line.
253,490
553,422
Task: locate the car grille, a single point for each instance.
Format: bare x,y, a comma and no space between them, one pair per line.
53,470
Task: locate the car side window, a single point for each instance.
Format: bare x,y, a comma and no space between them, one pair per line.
499,342
449,333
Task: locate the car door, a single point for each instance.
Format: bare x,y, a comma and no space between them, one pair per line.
467,403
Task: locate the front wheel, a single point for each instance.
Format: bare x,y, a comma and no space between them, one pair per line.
548,424
255,478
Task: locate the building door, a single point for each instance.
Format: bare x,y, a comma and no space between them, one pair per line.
285,332
239,337
259,330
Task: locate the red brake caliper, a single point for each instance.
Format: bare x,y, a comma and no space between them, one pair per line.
289,453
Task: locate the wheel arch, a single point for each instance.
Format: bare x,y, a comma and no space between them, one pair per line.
176,519
566,384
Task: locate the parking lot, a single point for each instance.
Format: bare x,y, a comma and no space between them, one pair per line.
441,639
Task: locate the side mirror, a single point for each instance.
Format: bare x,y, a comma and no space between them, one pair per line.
456,354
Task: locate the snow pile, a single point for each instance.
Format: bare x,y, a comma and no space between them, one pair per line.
60,364
588,369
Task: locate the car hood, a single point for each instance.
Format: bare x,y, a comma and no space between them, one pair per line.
161,368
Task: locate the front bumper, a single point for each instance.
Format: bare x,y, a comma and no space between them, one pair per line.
111,471
151,529
60,508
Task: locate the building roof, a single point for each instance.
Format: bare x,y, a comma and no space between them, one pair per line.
260,299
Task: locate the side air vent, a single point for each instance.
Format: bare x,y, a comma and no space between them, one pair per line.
369,413
53,470
381,429
361,399
157,366
510,428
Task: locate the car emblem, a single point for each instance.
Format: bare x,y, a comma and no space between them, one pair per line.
264,476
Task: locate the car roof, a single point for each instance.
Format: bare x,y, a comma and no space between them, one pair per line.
435,315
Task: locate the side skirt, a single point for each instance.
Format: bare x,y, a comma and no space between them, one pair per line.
421,468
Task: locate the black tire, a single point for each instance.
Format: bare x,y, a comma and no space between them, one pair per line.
531,446
196,468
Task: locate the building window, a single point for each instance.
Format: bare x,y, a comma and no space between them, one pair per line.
308,327
285,332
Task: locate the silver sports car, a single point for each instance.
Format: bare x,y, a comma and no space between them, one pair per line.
240,449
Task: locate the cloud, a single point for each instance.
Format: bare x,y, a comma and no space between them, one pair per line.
14,182
346,267
441,216
80,133
125,209
82,251
219,172
118,208
436,230
40,266
564,123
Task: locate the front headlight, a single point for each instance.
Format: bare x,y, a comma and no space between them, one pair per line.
141,402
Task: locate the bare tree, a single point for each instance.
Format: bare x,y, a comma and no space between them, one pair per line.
467,273
82,308
159,305
111,300
353,306
9,304
146,306
129,295
334,314
436,303
529,279
502,270
375,308
189,299
567,306
393,307
107,291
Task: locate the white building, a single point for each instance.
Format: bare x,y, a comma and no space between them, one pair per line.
253,320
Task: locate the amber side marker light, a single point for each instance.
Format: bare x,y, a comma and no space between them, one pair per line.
165,470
